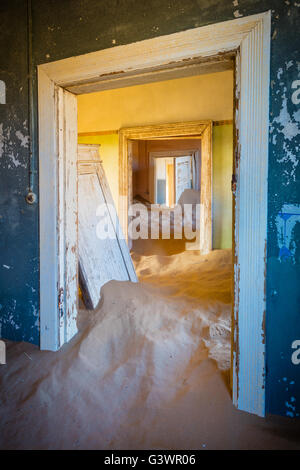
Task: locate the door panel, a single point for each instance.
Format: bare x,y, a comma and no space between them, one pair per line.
101,258
68,214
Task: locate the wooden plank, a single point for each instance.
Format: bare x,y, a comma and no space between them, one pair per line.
89,134
116,131
157,53
49,315
61,211
67,214
71,215
100,259
206,191
188,68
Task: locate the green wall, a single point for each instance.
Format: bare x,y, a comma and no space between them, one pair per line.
222,196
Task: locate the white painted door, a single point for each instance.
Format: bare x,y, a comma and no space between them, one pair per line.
68,213
183,175
103,252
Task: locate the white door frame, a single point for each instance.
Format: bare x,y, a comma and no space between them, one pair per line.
169,130
251,37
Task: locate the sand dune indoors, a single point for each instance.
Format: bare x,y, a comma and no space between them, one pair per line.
148,369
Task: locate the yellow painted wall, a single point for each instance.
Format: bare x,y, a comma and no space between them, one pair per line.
109,153
222,196
185,99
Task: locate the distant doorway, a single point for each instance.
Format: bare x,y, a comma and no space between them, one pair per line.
189,141
173,173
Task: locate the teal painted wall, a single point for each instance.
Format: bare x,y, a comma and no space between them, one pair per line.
73,27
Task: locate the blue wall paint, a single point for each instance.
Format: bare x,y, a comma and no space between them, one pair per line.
72,27
19,288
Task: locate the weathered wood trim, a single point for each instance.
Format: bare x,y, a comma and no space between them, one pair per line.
204,42
116,131
48,186
198,128
91,134
188,68
170,153
58,213
251,219
206,191
59,93
70,197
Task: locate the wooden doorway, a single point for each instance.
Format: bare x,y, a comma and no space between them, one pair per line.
178,54
201,129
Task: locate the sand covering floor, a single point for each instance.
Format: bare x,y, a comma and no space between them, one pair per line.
148,369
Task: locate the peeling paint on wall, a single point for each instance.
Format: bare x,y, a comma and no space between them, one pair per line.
92,25
10,157
19,304
286,222
283,267
285,127
237,14
24,139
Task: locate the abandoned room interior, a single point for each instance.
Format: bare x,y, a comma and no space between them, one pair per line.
155,303
164,171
